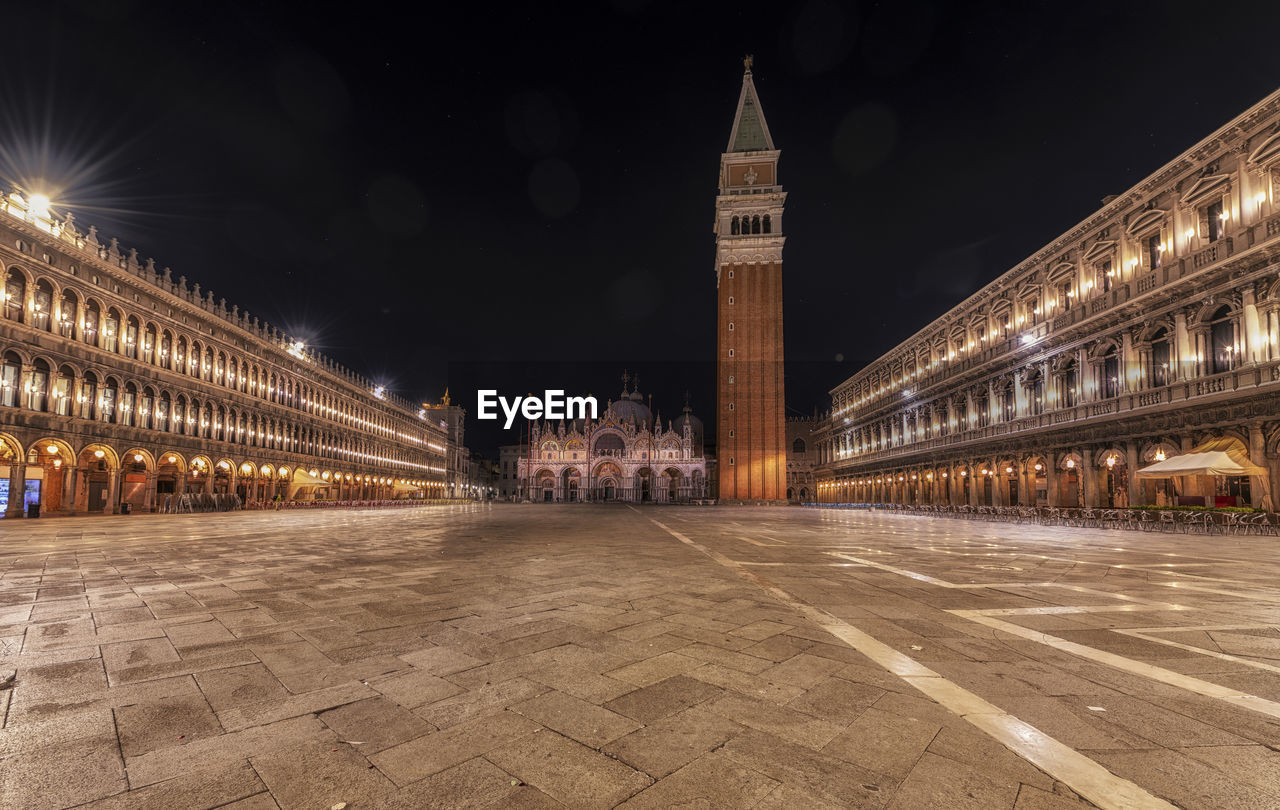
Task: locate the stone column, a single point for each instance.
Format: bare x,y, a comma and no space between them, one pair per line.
1258,455
1184,359
17,488
1253,337
1027,484
1187,484
1129,376
149,499
1088,478
1273,333
1136,490
69,475
1051,480
113,493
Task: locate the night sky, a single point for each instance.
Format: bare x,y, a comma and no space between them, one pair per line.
465,194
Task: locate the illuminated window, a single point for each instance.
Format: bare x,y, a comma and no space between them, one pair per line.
1215,227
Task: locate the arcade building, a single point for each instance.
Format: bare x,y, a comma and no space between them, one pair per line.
121,385
1148,331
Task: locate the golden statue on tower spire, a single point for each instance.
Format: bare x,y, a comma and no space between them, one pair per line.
747,62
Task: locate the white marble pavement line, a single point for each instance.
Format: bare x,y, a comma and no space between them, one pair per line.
1078,772
1151,634
988,618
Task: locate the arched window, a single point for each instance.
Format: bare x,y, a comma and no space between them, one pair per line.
208,364
37,386
767,223
1110,374
110,338
163,406
1067,383
15,294
42,306
62,391
220,424
67,314
798,446
146,409
128,405
755,224
206,421
107,401
131,338
166,350
1161,351
220,369
180,415
149,345
193,360
87,397
92,323
180,356
1222,337
10,380
733,227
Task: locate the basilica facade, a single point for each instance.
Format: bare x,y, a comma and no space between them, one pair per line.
624,455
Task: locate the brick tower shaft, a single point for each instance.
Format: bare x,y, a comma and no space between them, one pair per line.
751,418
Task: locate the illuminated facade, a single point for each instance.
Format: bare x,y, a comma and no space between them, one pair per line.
624,455
751,426
1144,330
121,385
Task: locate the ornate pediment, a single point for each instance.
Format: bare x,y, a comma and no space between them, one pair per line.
1267,152
1146,220
1099,249
1205,187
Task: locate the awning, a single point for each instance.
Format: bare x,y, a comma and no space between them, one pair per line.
1216,457
306,478
406,488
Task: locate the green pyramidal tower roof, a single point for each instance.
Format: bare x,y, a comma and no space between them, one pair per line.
750,131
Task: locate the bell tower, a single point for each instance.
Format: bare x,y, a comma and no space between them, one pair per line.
751,420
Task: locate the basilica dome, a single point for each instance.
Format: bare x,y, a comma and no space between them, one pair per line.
630,409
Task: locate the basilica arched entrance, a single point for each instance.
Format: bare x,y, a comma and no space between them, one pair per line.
606,478
545,489
644,484
570,483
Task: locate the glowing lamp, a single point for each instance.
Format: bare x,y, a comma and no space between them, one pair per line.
99,453
52,449
38,205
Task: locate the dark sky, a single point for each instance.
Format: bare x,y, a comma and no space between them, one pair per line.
457,194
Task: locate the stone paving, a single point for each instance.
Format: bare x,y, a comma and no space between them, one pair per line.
601,656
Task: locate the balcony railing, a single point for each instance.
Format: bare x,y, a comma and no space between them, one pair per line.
1263,375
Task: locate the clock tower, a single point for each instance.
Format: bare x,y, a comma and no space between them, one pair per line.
751,420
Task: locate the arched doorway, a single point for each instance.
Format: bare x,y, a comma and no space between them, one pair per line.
1115,480
546,487
98,466
606,479
674,483
644,484
570,481
1069,481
